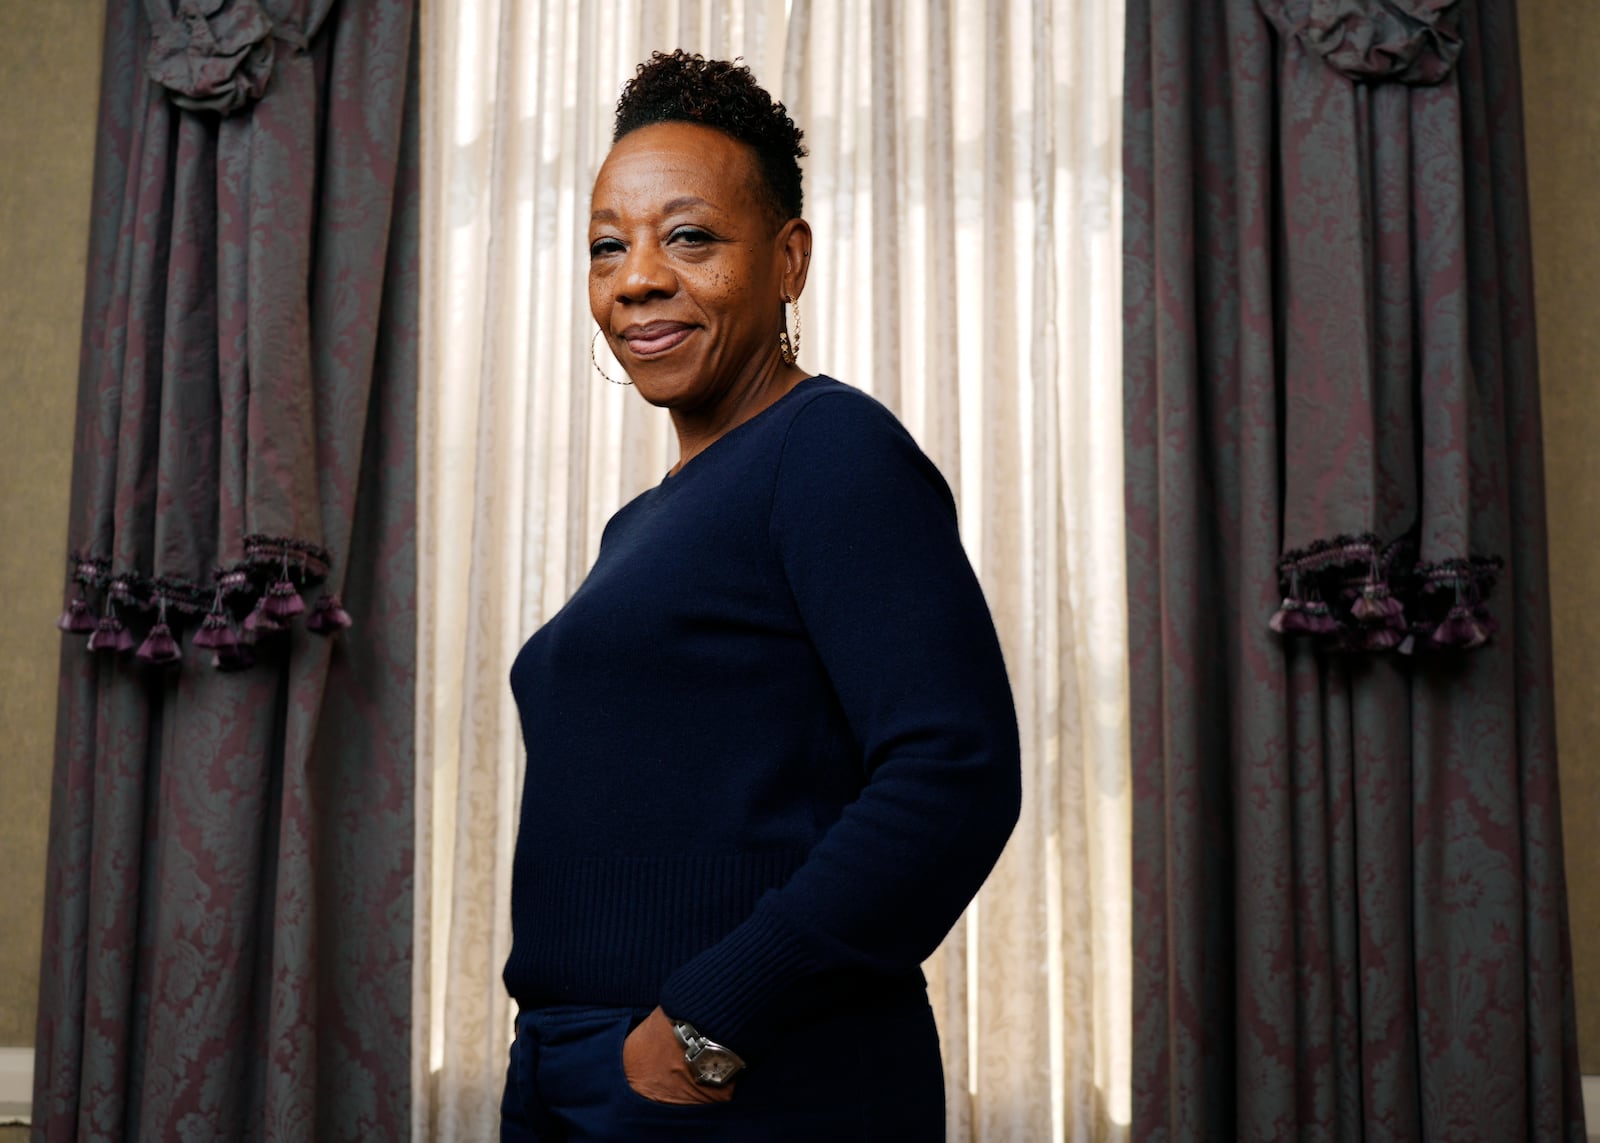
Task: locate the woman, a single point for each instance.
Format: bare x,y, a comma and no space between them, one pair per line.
771,746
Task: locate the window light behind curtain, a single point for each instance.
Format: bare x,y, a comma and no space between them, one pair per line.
963,185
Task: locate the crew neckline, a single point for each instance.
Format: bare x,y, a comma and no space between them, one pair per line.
672,478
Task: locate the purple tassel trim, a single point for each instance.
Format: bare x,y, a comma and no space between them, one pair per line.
268,603
216,633
78,618
1375,604
1318,619
262,621
1299,617
110,635
282,602
1366,608
1461,630
1287,619
328,616
159,646
1368,596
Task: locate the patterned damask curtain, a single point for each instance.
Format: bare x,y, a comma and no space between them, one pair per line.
1350,916
227,937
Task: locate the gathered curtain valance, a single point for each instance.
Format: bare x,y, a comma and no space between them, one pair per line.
201,465
1388,403
1375,41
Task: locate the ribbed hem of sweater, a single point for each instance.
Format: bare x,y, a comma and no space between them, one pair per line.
725,990
609,929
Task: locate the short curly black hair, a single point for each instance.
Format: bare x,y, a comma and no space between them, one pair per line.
722,94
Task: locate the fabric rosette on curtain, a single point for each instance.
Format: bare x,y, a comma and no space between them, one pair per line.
226,946
1350,911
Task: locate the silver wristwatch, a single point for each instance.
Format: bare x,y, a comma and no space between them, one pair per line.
709,1062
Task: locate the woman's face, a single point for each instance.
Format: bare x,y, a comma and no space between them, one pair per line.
687,266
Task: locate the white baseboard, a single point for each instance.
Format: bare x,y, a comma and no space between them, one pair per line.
16,1085
1591,1106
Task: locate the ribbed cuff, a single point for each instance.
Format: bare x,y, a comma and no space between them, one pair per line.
725,991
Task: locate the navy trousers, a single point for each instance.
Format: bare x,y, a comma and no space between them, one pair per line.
871,1074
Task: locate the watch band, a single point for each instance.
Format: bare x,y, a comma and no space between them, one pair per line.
710,1063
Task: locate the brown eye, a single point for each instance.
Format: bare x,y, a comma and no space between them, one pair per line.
690,236
604,246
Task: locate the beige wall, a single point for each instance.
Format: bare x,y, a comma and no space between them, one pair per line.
1561,81
49,76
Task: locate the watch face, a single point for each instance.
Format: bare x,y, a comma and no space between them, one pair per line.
715,1066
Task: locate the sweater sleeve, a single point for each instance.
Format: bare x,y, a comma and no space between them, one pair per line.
864,527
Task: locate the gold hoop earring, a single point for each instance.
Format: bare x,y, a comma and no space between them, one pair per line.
789,345
595,362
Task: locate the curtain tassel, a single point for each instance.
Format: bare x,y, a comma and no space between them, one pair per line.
1466,627
1299,616
1287,620
1461,629
159,647
1366,607
1304,617
78,618
1318,619
328,616
215,633
282,602
1290,618
216,629
261,619
1376,604
110,634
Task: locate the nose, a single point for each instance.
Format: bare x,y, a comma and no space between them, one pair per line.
645,273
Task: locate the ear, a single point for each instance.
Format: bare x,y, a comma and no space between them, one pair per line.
794,244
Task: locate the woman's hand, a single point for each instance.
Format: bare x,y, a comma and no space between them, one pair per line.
652,1061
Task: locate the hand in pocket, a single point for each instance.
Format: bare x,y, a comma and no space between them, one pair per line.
653,1064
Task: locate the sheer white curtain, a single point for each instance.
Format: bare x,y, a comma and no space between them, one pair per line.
963,187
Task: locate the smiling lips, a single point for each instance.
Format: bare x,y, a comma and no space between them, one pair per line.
655,337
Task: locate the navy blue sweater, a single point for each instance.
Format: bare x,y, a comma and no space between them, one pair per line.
771,745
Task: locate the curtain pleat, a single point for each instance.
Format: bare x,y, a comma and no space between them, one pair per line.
226,944
963,189
1348,881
